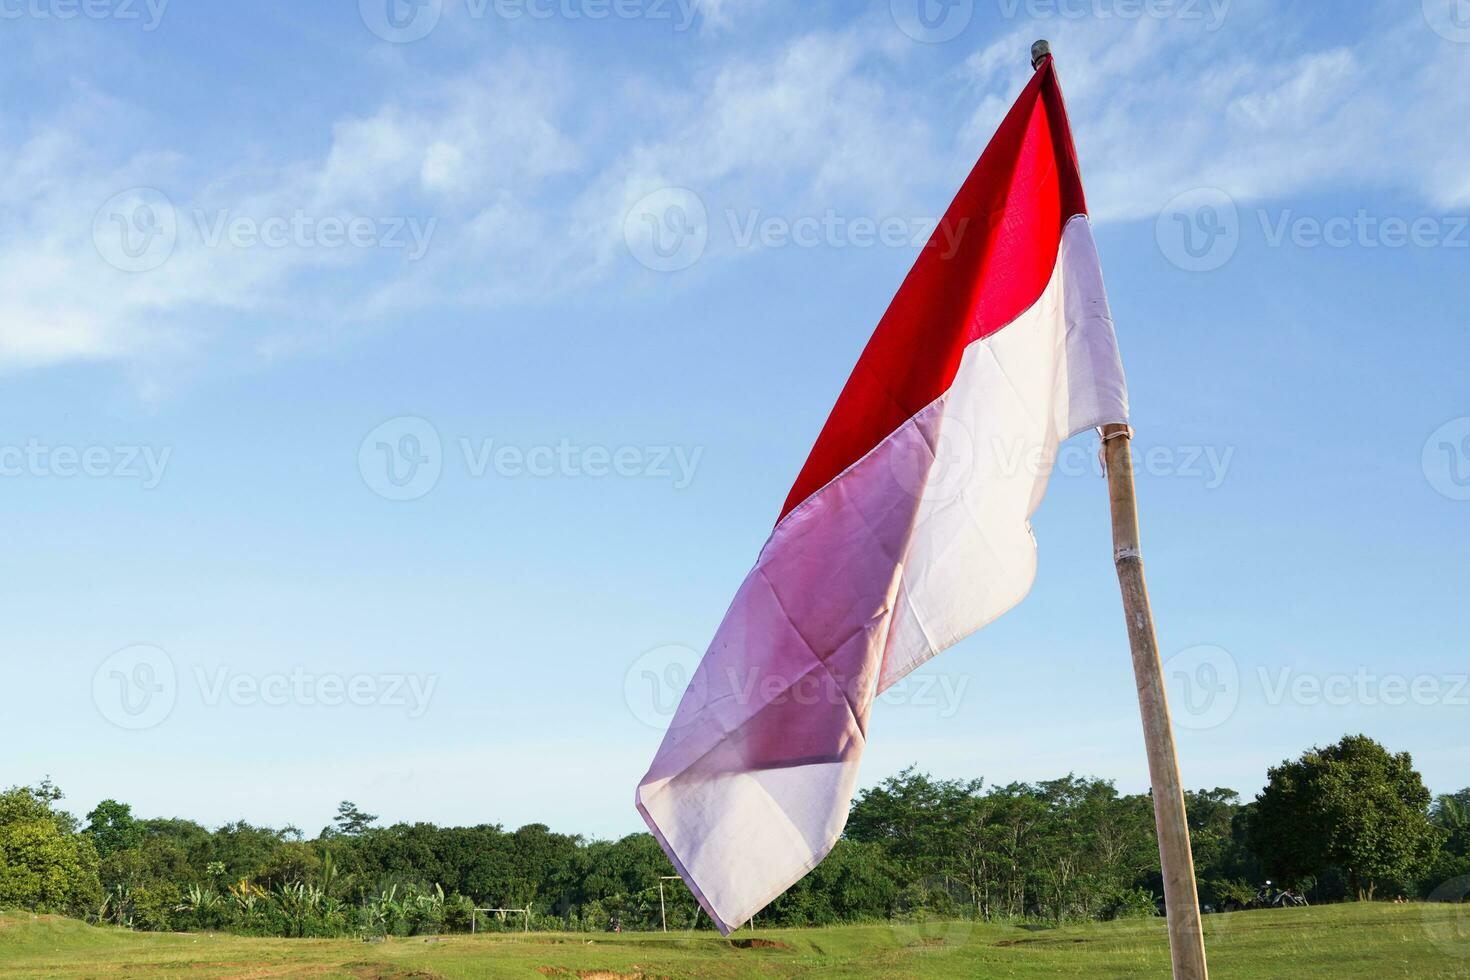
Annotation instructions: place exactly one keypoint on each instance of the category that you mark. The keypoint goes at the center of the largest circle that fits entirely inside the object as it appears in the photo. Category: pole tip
(1039, 50)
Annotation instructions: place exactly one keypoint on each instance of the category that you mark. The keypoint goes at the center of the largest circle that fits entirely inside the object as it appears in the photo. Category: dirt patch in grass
(758, 944)
(263, 971)
(385, 971)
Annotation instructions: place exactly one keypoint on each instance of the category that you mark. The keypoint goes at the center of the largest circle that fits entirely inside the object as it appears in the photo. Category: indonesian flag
(908, 527)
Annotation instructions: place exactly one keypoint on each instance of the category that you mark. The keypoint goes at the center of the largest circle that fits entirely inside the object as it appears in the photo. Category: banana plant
(200, 899)
(299, 903)
(384, 911)
(248, 898)
(117, 906)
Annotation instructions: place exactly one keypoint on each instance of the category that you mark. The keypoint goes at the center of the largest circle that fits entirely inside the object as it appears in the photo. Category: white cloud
(1160, 107)
(792, 133)
(464, 144)
(528, 164)
(719, 15)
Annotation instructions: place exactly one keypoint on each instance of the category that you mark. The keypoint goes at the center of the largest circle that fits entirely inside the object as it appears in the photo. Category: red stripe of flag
(986, 263)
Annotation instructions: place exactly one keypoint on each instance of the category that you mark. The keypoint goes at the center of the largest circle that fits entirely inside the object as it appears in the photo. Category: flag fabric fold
(908, 527)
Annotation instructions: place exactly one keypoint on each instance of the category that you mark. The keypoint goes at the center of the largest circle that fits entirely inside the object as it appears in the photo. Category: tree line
(1348, 821)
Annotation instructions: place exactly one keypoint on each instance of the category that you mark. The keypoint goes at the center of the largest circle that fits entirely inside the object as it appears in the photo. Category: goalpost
(525, 912)
(663, 914)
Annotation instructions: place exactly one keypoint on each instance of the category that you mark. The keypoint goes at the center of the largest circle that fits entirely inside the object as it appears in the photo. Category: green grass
(1341, 942)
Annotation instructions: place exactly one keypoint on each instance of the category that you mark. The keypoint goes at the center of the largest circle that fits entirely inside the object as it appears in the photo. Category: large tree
(1353, 806)
(45, 866)
(914, 817)
(113, 827)
(351, 820)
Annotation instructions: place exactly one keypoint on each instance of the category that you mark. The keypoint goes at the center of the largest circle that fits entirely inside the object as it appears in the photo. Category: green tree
(294, 862)
(1353, 806)
(915, 817)
(1451, 813)
(856, 881)
(244, 848)
(351, 821)
(1223, 864)
(45, 866)
(112, 827)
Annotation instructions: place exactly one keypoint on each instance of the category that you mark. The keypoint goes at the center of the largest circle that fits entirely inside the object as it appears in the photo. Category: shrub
(1130, 903)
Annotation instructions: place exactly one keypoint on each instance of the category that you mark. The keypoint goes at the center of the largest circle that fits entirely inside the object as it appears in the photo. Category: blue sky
(358, 441)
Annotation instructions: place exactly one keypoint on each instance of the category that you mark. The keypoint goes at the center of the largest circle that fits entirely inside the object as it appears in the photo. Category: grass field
(1342, 942)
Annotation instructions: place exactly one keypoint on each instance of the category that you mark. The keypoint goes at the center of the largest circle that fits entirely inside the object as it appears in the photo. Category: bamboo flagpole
(1176, 861)
(1181, 898)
